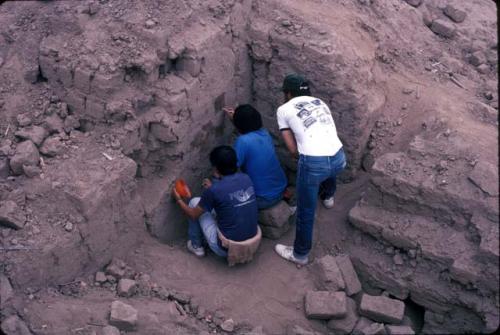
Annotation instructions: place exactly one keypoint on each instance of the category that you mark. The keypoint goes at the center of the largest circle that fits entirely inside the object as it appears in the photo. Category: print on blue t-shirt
(233, 198)
(257, 158)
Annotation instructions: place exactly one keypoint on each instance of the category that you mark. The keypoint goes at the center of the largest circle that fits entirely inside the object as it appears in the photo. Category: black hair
(247, 119)
(224, 159)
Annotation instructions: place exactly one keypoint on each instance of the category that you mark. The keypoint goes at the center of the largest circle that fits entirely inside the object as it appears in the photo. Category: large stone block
(329, 274)
(126, 287)
(123, 316)
(36, 134)
(382, 309)
(443, 28)
(275, 221)
(454, 13)
(325, 305)
(368, 327)
(82, 79)
(399, 330)
(352, 283)
(347, 323)
(274, 233)
(11, 215)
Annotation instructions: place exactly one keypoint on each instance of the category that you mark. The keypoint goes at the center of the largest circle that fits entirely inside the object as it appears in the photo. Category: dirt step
(439, 244)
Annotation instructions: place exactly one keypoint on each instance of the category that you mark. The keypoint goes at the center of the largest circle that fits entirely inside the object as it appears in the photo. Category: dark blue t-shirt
(233, 198)
(257, 158)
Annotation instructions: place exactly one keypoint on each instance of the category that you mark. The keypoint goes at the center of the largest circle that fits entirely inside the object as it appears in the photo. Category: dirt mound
(104, 103)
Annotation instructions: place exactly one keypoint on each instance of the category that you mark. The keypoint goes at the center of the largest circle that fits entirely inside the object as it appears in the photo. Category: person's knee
(194, 202)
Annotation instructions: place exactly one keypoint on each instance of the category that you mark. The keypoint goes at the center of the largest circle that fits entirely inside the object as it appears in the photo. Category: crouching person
(233, 231)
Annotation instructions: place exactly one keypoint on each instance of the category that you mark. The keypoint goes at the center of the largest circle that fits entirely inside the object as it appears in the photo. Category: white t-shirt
(312, 124)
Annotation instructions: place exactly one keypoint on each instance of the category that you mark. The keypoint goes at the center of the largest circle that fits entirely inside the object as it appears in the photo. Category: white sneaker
(329, 202)
(287, 253)
(199, 252)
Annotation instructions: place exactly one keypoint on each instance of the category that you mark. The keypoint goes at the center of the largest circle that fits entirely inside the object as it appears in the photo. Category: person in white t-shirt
(309, 132)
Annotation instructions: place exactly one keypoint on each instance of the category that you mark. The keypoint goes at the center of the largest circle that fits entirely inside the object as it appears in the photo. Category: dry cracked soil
(104, 103)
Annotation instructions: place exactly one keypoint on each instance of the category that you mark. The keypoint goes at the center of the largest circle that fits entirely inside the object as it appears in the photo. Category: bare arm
(193, 213)
(290, 142)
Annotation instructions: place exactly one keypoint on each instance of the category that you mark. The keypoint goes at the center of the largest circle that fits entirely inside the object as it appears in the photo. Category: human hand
(229, 112)
(206, 183)
(175, 194)
(178, 197)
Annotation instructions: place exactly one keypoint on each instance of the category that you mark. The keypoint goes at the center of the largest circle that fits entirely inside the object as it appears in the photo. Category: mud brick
(382, 309)
(48, 68)
(346, 324)
(100, 277)
(123, 316)
(443, 28)
(13, 325)
(276, 216)
(76, 102)
(65, 74)
(104, 84)
(365, 326)
(325, 305)
(454, 13)
(126, 287)
(82, 79)
(35, 133)
(352, 284)
(94, 108)
(329, 273)
(399, 330)
(26, 154)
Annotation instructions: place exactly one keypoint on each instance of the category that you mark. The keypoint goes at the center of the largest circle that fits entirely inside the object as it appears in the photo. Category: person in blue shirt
(231, 198)
(257, 157)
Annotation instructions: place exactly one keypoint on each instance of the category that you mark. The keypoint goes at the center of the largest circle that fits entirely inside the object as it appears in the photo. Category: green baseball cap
(295, 83)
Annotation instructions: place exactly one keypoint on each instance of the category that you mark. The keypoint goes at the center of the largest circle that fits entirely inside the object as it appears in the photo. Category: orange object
(181, 188)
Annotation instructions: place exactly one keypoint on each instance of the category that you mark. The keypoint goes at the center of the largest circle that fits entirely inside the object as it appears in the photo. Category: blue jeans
(313, 172)
(204, 228)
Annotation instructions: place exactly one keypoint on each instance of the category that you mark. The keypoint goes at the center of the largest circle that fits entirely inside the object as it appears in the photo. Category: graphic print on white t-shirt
(312, 112)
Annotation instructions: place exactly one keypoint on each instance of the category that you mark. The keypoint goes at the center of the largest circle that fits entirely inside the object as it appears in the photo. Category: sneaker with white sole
(329, 202)
(199, 252)
(287, 253)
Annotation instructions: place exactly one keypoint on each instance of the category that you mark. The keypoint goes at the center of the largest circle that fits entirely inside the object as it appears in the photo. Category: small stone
(454, 13)
(180, 297)
(54, 124)
(325, 305)
(407, 91)
(412, 253)
(126, 287)
(414, 3)
(123, 316)
(477, 58)
(110, 330)
(483, 69)
(488, 95)
(52, 146)
(404, 106)
(149, 24)
(71, 123)
(286, 23)
(100, 277)
(31, 171)
(398, 260)
(36, 134)
(23, 120)
(68, 226)
(228, 325)
(389, 250)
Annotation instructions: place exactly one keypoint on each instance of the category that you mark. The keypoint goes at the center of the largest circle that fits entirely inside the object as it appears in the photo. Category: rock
(483, 69)
(35, 133)
(367, 162)
(13, 325)
(351, 280)
(274, 221)
(485, 176)
(427, 18)
(31, 171)
(329, 274)
(54, 124)
(23, 120)
(180, 297)
(286, 23)
(26, 154)
(52, 146)
(443, 28)
(11, 215)
(398, 330)
(149, 24)
(382, 309)
(110, 330)
(414, 3)
(398, 260)
(4, 168)
(123, 316)
(68, 226)
(477, 58)
(100, 277)
(6, 291)
(71, 123)
(116, 268)
(228, 325)
(325, 305)
(454, 13)
(346, 324)
(126, 287)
